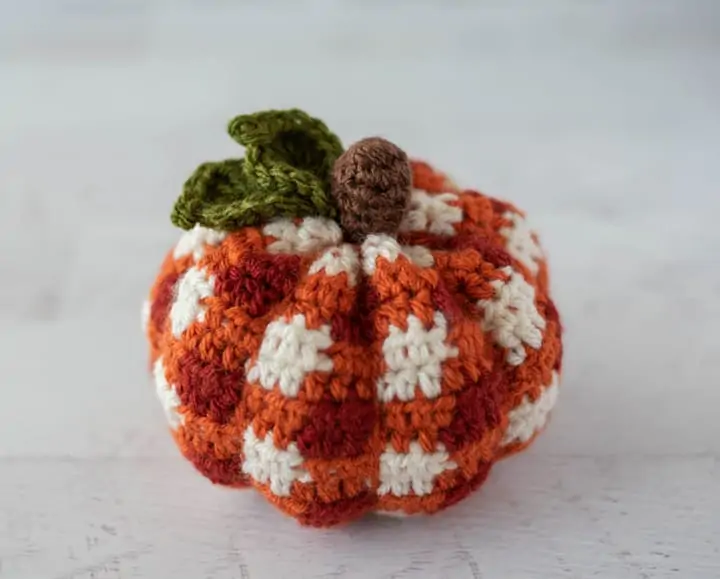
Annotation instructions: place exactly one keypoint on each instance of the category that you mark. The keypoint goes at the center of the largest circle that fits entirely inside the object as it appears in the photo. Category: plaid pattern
(339, 379)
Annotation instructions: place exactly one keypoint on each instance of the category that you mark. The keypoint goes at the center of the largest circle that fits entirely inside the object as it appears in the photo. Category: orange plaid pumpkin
(338, 377)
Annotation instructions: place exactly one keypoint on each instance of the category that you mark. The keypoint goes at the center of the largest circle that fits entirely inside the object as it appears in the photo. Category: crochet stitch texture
(342, 369)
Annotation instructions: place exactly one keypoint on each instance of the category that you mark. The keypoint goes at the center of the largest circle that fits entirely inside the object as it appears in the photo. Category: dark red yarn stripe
(259, 282)
(207, 389)
(342, 511)
(338, 429)
(477, 410)
(160, 308)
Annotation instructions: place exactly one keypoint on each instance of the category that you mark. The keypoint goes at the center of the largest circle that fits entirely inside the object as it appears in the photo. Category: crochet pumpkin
(347, 330)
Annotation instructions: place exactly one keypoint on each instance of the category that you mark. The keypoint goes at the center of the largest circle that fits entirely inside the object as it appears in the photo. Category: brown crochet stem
(371, 184)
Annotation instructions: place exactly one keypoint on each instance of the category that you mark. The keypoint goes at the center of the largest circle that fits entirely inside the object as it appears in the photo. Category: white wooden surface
(601, 119)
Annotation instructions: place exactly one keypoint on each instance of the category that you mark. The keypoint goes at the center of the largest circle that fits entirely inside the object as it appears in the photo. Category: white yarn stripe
(312, 234)
(530, 417)
(419, 255)
(289, 351)
(375, 246)
(431, 213)
(167, 395)
(387, 247)
(337, 260)
(520, 243)
(193, 241)
(414, 359)
(194, 286)
(266, 463)
(512, 318)
(145, 315)
(415, 471)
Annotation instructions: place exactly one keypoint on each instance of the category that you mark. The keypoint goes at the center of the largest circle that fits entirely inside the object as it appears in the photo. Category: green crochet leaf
(285, 173)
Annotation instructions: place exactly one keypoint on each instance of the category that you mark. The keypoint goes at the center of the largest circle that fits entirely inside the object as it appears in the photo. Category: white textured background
(602, 119)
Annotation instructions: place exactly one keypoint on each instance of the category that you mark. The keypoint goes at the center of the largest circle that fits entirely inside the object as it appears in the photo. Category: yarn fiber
(289, 156)
(343, 371)
(371, 185)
